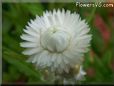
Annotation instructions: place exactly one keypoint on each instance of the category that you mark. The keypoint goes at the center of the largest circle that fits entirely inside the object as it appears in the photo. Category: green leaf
(12, 71)
(11, 43)
(107, 57)
(6, 77)
(101, 68)
(34, 9)
(87, 62)
(97, 41)
(91, 16)
(22, 66)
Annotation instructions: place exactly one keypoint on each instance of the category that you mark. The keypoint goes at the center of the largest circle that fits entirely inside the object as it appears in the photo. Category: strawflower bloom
(57, 42)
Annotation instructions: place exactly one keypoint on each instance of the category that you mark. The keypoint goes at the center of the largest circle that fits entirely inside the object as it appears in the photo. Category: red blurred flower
(90, 72)
(103, 28)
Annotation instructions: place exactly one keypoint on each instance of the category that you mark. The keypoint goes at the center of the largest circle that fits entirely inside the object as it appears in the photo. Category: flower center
(55, 40)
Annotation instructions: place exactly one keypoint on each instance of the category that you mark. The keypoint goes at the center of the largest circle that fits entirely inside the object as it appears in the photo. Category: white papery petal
(28, 38)
(31, 33)
(80, 75)
(28, 44)
(32, 51)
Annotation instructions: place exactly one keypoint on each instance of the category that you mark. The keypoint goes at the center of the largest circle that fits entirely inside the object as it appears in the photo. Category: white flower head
(57, 40)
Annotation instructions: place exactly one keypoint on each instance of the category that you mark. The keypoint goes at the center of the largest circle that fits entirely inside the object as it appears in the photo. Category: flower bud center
(55, 40)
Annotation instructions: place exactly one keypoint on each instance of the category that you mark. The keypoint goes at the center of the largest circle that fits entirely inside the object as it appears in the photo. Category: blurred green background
(98, 63)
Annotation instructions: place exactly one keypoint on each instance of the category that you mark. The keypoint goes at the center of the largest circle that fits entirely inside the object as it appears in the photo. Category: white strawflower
(57, 40)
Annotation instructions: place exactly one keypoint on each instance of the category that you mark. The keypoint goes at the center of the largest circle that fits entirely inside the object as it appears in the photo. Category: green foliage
(20, 64)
